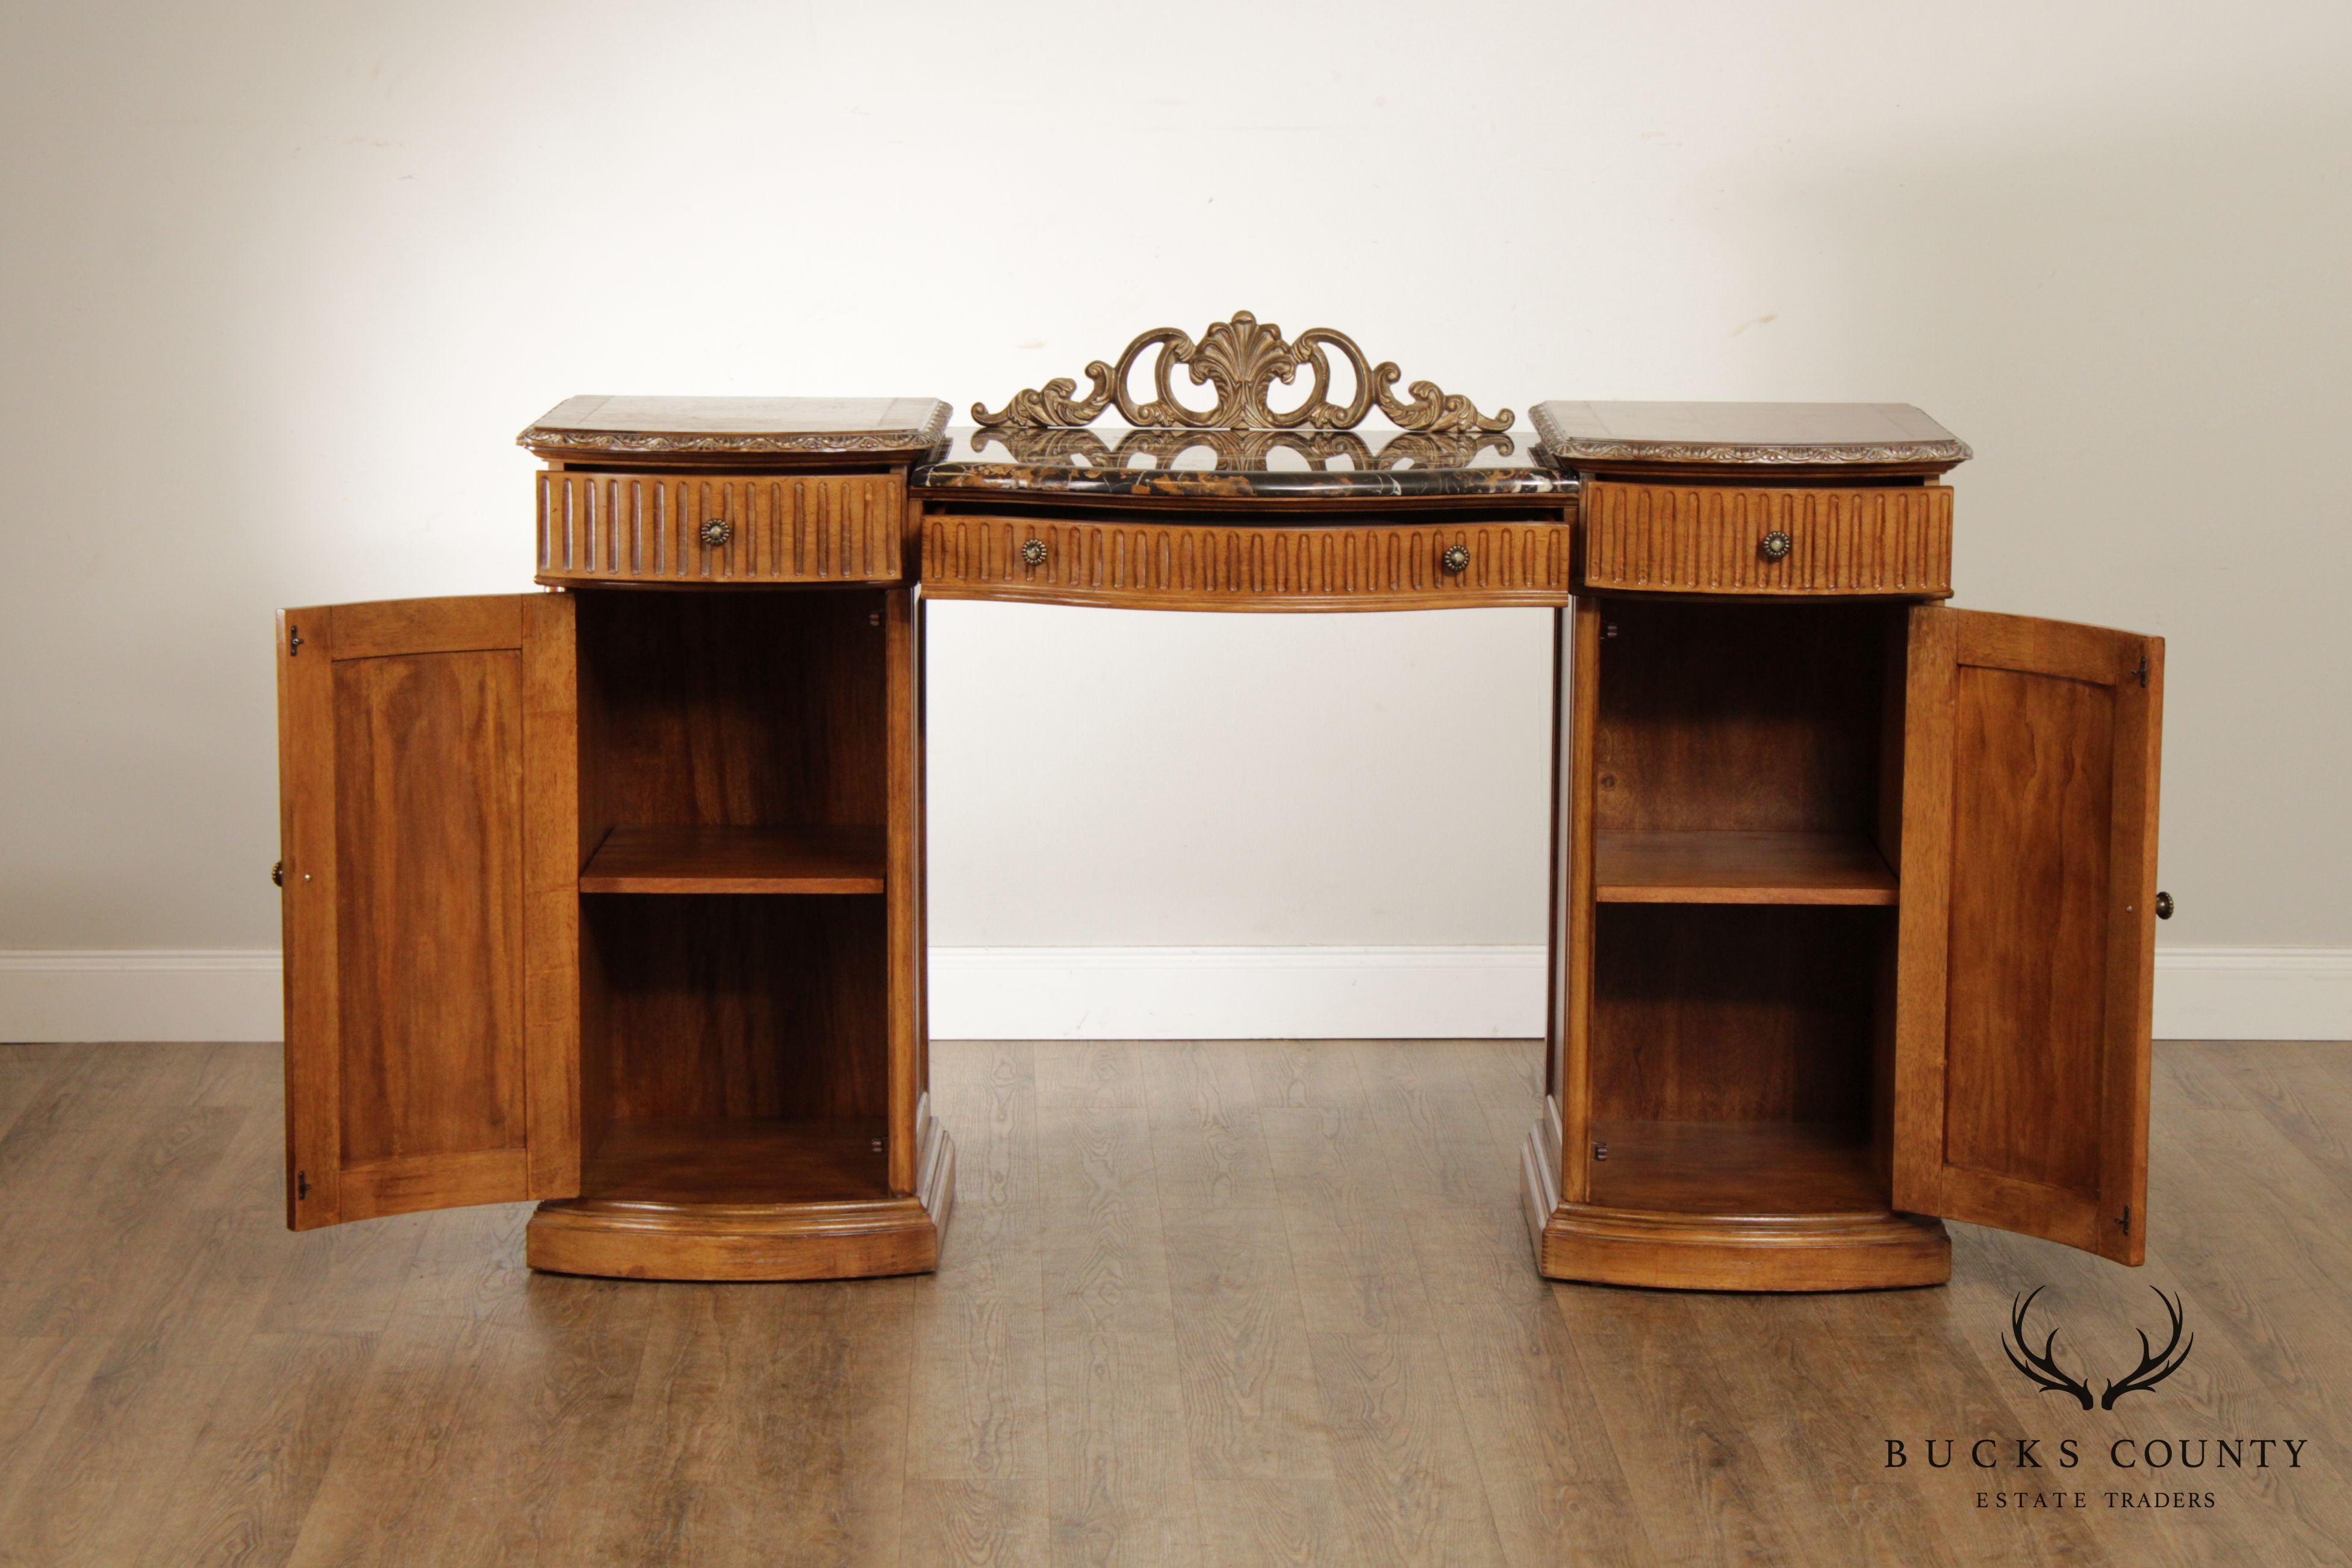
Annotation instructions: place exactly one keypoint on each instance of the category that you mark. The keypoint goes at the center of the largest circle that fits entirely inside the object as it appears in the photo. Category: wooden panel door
(429, 807)
(2027, 935)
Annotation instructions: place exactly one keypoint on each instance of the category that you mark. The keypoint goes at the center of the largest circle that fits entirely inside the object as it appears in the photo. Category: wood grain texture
(735, 1199)
(2028, 928)
(907, 1031)
(734, 709)
(182, 1382)
(1200, 565)
(649, 527)
(550, 925)
(427, 774)
(1724, 716)
(741, 1004)
(736, 860)
(1741, 869)
(1734, 1012)
(1886, 541)
(1576, 691)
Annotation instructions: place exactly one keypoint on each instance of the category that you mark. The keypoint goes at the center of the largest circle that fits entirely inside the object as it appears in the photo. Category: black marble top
(1293, 465)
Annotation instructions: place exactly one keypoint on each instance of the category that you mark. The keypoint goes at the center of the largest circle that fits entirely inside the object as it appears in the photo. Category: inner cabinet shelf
(742, 1161)
(1734, 1168)
(675, 859)
(1740, 868)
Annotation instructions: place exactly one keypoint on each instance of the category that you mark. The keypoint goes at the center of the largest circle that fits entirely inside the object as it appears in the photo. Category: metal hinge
(2142, 670)
(1601, 1151)
(293, 641)
(2125, 1219)
(302, 1185)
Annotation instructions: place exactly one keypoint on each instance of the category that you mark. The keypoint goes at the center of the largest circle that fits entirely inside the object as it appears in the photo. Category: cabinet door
(429, 807)
(2027, 941)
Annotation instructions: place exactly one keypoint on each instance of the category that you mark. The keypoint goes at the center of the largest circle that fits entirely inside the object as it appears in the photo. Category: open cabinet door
(429, 814)
(2027, 939)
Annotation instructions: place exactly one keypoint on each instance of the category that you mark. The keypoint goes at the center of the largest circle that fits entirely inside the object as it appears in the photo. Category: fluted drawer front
(711, 529)
(1894, 541)
(1207, 566)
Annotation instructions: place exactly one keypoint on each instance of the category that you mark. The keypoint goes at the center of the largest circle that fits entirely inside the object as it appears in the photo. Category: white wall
(281, 280)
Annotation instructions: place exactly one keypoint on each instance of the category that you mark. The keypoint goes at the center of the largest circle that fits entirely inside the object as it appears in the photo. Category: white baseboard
(2253, 992)
(1236, 992)
(141, 994)
(1145, 993)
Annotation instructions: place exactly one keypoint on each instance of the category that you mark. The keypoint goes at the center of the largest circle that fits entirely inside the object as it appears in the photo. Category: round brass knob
(1777, 544)
(2164, 906)
(1033, 553)
(716, 531)
(1456, 559)
(278, 873)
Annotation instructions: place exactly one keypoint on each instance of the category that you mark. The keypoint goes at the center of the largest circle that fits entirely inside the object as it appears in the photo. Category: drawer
(710, 529)
(1894, 541)
(1181, 565)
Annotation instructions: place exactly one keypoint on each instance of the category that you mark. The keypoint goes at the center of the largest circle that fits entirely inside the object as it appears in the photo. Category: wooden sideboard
(610, 896)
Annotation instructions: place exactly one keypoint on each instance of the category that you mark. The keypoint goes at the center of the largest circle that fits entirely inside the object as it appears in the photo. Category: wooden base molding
(1872, 1250)
(845, 1239)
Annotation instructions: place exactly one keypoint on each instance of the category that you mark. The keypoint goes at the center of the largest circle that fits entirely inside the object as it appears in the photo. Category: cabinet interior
(734, 940)
(1747, 813)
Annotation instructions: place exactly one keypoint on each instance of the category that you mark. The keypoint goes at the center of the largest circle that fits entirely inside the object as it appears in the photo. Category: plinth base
(1858, 1247)
(855, 1238)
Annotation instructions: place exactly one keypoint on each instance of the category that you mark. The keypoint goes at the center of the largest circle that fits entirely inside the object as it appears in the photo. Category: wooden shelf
(1736, 1168)
(1740, 869)
(738, 1159)
(737, 860)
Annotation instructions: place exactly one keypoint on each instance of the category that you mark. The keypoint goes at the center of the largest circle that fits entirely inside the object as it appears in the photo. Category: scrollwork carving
(1242, 359)
(1241, 450)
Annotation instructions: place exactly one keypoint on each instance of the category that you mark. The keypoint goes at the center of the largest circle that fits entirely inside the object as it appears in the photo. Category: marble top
(1886, 436)
(653, 427)
(1286, 464)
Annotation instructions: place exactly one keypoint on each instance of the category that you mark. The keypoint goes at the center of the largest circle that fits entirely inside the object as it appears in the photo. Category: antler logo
(2155, 1365)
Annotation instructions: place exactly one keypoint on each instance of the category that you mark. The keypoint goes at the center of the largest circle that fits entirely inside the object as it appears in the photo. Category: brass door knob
(716, 531)
(278, 873)
(1456, 559)
(1777, 544)
(1033, 553)
(2164, 906)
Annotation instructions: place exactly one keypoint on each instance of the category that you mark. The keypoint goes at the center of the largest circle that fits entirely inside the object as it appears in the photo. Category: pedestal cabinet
(610, 896)
(1855, 893)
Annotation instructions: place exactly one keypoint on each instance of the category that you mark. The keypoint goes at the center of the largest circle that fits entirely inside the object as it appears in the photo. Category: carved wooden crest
(1243, 359)
(1241, 449)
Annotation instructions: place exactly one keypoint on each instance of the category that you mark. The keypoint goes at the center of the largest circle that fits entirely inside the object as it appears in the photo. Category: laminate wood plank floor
(1225, 1303)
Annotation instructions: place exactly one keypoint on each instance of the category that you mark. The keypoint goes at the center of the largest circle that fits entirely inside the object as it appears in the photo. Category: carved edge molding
(541, 437)
(1243, 359)
(1566, 448)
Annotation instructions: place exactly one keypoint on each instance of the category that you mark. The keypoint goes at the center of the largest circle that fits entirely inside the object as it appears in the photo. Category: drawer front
(1210, 566)
(1894, 541)
(709, 529)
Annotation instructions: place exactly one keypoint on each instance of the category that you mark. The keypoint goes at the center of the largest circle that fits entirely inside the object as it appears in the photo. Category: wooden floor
(1224, 1303)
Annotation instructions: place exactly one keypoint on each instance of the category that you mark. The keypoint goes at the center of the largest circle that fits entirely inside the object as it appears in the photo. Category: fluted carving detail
(1894, 541)
(1190, 565)
(779, 528)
